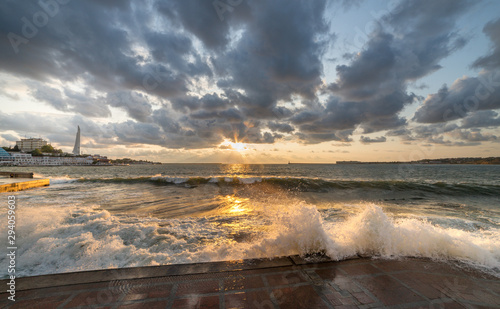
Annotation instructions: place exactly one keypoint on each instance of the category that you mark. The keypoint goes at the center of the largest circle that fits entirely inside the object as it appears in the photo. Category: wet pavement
(287, 282)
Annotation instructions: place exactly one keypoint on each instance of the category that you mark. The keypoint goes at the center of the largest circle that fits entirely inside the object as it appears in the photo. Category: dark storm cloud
(467, 94)
(202, 19)
(135, 104)
(492, 30)
(373, 115)
(138, 133)
(231, 115)
(176, 50)
(278, 55)
(448, 134)
(82, 40)
(434, 130)
(481, 119)
(473, 136)
(408, 44)
(312, 137)
(70, 101)
(208, 102)
(235, 71)
(368, 140)
(422, 34)
(280, 127)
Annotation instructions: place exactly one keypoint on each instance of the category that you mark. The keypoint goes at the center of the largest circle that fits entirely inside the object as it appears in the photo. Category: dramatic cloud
(71, 101)
(192, 74)
(280, 127)
(368, 140)
(467, 94)
(135, 104)
(481, 119)
(371, 91)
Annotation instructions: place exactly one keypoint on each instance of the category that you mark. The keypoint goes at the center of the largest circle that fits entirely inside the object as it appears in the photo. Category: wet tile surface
(361, 283)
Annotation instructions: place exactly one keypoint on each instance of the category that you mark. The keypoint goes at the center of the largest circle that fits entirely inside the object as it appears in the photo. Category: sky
(253, 81)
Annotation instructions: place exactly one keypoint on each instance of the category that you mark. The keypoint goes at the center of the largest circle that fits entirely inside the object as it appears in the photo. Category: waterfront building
(5, 157)
(22, 158)
(26, 159)
(30, 144)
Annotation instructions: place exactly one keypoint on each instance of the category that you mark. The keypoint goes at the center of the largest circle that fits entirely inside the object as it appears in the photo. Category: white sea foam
(62, 239)
(56, 180)
(61, 180)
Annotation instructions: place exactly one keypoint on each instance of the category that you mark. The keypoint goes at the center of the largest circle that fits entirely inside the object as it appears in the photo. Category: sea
(102, 217)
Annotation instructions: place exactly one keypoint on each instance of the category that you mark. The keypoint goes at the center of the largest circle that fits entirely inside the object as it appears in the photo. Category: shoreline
(269, 283)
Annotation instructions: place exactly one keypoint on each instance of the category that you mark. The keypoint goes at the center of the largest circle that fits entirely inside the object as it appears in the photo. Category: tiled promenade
(286, 282)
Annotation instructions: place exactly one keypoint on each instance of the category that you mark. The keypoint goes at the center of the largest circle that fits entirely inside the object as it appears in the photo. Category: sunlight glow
(227, 144)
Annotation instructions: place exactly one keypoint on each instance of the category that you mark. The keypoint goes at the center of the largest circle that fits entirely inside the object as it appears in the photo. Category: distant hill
(489, 160)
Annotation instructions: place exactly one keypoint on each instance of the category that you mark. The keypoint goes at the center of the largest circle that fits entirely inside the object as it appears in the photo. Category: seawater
(124, 216)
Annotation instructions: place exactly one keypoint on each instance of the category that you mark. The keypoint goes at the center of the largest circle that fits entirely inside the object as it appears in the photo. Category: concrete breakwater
(13, 182)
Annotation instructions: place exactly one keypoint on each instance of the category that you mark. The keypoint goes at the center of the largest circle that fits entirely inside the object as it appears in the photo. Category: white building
(30, 144)
(28, 159)
(22, 158)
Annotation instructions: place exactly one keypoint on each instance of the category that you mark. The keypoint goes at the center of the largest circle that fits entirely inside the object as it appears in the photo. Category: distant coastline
(489, 160)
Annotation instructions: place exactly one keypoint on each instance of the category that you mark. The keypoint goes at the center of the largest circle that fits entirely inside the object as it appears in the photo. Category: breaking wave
(304, 184)
(64, 239)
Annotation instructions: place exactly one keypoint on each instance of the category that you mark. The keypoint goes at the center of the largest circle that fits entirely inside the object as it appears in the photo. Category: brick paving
(288, 282)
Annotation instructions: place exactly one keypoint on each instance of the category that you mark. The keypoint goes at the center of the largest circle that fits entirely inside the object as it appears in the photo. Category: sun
(227, 144)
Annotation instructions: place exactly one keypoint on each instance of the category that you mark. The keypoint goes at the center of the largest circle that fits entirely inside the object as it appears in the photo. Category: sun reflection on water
(235, 169)
(236, 205)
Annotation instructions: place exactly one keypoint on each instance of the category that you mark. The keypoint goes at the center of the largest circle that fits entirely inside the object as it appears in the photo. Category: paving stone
(198, 287)
(388, 290)
(39, 303)
(241, 283)
(298, 297)
(286, 278)
(329, 273)
(205, 302)
(360, 269)
(146, 292)
(84, 299)
(363, 298)
(256, 299)
(149, 305)
(334, 299)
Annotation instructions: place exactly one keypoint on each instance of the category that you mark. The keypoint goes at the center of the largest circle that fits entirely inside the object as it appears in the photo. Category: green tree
(47, 149)
(36, 153)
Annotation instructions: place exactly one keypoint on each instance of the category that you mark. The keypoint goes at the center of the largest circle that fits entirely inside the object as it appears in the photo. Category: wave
(307, 184)
(64, 239)
(62, 179)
